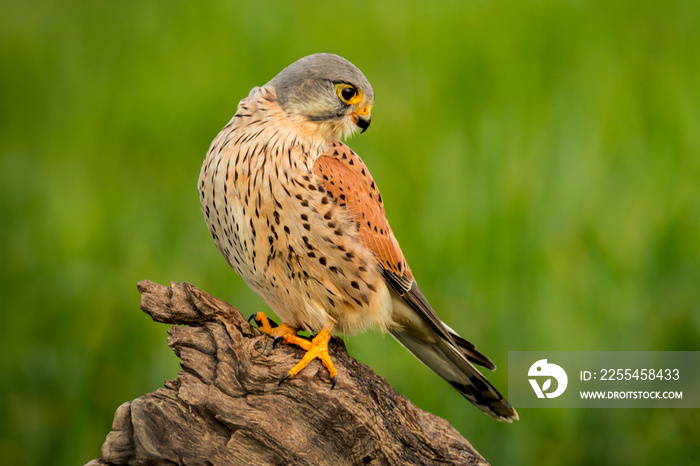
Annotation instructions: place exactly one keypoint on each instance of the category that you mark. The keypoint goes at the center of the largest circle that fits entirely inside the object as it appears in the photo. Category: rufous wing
(348, 182)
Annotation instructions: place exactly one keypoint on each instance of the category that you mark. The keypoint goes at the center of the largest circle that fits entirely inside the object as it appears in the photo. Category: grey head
(325, 89)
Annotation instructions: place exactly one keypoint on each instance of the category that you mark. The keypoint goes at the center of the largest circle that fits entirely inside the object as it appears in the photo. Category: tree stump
(226, 407)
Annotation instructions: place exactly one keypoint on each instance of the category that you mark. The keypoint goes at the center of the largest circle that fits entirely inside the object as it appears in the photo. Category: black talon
(253, 318)
(286, 376)
(275, 341)
(333, 381)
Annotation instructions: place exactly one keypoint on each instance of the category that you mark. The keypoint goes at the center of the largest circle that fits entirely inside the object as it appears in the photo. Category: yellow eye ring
(348, 93)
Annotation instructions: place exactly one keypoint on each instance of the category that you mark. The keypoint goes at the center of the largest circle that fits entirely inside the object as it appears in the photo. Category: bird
(296, 213)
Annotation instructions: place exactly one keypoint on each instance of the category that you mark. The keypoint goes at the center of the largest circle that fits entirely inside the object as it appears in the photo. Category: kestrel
(297, 214)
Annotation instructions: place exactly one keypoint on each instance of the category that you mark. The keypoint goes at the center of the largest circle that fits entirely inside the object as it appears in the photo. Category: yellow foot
(316, 348)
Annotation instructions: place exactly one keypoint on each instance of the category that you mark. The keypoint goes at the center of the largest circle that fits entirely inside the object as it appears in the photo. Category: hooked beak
(362, 118)
(362, 122)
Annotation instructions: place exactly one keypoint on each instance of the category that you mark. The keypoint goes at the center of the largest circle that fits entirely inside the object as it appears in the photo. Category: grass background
(540, 162)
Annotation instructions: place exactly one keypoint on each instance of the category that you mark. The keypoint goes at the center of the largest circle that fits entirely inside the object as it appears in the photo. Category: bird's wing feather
(348, 181)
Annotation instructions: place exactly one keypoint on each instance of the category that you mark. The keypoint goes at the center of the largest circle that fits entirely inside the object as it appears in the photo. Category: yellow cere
(364, 110)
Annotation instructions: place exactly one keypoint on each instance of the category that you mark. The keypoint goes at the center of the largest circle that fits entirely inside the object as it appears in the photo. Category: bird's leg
(316, 348)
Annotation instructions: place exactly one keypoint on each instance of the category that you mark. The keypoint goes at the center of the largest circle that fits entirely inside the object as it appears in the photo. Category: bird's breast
(271, 218)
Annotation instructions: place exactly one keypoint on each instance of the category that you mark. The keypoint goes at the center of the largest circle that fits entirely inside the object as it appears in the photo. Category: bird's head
(326, 94)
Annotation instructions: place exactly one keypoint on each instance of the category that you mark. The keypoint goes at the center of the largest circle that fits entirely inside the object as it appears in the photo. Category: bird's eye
(348, 94)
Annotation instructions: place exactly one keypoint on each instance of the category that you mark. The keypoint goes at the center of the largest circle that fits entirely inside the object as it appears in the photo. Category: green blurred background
(540, 162)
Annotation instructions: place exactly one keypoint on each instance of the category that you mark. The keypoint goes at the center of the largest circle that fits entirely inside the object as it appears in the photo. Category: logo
(543, 369)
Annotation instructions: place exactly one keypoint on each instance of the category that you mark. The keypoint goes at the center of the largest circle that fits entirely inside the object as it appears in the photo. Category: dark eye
(347, 93)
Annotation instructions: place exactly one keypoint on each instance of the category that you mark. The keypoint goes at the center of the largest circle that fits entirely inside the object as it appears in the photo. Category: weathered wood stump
(226, 407)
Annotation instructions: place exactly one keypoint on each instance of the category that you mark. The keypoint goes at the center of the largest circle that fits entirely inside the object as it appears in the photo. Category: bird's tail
(447, 360)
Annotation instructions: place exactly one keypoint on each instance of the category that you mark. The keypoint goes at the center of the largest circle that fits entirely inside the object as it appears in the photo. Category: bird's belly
(305, 279)
(293, 246)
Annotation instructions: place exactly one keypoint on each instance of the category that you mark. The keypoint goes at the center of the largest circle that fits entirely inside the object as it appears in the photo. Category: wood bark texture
(226, 408)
